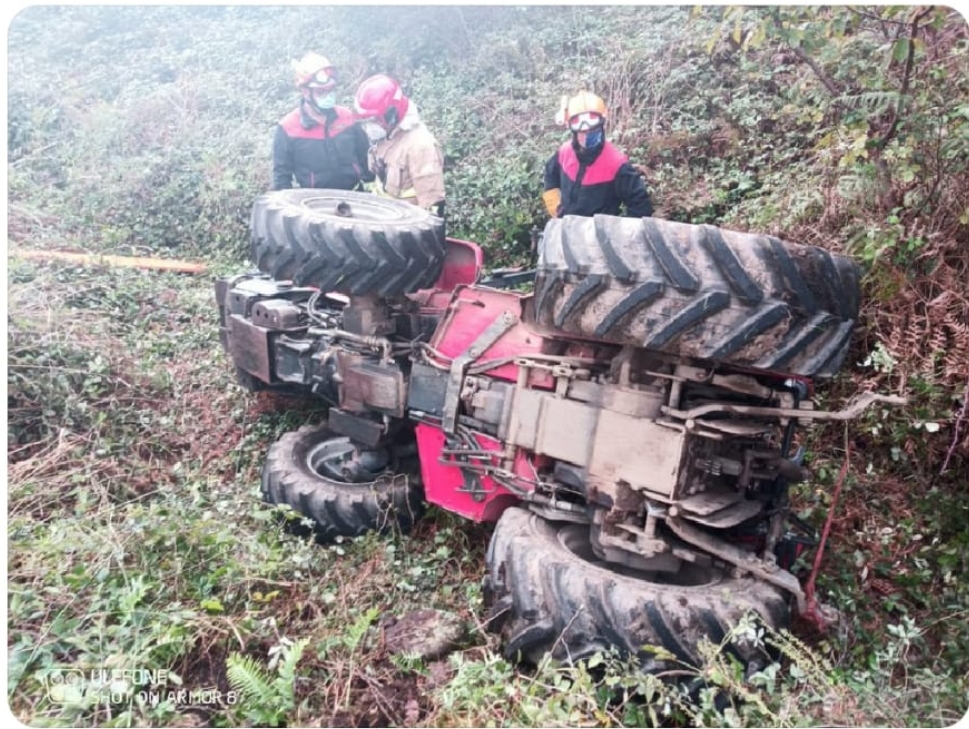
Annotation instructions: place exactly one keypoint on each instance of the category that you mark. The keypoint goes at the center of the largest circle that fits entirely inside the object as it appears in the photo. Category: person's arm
(427, 175)
(282, 161)
(361, 153)
(632, 192)
(552, 195)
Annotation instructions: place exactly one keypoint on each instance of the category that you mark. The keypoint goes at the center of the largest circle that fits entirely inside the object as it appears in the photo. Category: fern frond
(287, 669)
(247, 677)
(359, 628)
(874, 102)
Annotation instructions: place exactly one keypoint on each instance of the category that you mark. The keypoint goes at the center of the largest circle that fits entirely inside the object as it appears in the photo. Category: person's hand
(553, 201)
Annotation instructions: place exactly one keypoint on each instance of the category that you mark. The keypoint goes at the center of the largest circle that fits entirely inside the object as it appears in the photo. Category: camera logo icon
(65, 685)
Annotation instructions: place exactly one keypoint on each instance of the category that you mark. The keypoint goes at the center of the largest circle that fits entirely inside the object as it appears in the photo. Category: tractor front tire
(349, 242)
(548, 594)
(303, 471)
(698, 291)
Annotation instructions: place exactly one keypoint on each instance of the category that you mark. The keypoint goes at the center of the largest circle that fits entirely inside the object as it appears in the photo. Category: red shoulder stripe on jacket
(603, 169)
(292, 125)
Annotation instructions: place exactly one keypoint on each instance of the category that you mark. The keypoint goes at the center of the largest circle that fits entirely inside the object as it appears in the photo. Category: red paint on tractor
(444, 481)
(471, 312)
(463, 262)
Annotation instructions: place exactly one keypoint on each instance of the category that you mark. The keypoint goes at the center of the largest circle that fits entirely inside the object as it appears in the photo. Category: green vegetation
(136, 536)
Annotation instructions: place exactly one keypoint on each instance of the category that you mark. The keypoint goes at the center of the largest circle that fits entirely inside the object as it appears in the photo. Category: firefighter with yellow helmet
(588, 175)
(319, 143)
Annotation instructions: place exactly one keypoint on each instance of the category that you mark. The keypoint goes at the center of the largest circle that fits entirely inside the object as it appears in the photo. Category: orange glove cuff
(552, 199)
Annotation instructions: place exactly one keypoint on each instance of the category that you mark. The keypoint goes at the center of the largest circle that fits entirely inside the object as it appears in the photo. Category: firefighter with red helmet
(588, 175)
(319, 143)
(405, 157)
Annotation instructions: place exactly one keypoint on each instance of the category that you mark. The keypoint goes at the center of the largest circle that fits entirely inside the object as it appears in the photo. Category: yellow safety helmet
(314, 71)
(583, 111)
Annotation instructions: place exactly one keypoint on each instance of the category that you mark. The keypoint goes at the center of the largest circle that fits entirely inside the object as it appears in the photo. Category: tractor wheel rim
(331, 458)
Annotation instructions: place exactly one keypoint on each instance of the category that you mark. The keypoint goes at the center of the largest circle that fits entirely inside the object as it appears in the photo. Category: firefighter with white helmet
(405, 158)
(319, 144)
(588, 175)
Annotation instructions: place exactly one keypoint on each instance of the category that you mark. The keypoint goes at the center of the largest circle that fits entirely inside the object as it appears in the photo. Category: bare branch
(906, 79)
(960, 419)
(829, 83)
(884, 23)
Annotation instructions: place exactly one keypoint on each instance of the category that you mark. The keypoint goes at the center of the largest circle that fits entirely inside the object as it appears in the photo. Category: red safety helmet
(381, 98)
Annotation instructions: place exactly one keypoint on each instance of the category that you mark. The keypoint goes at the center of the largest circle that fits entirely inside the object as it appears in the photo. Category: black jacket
(331, 155)
(596, 183)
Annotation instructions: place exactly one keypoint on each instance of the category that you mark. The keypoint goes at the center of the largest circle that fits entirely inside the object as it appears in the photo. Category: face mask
(594, 138)
(324, 101)
(374, 131)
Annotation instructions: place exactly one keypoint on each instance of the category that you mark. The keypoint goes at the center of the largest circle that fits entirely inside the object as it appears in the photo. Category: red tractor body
(630, 424)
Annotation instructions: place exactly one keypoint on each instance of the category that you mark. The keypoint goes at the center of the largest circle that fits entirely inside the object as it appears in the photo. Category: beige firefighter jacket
(409, 164)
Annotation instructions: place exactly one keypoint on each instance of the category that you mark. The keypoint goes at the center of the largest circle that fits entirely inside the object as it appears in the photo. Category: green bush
(136, 530)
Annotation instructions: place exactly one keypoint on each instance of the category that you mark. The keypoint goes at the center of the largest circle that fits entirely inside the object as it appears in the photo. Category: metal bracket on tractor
(632, 427)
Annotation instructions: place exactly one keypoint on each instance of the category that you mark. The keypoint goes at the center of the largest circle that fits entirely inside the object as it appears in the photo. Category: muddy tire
(547, 593)
(349, 242)
(698, 291)
(305, 469)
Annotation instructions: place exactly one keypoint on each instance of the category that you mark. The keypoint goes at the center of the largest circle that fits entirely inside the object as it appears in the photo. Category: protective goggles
(325, 78)
(585, 121)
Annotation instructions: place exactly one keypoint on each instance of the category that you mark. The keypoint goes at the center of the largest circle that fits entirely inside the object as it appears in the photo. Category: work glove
(553, 201)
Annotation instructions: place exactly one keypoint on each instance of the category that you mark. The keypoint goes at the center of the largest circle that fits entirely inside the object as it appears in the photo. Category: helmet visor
(585, 121)
(323, 79)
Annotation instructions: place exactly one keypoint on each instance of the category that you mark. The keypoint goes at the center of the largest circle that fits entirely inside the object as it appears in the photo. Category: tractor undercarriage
(619, 424)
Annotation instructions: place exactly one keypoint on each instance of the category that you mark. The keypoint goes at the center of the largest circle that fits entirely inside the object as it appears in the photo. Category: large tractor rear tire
(344, 491)
(349, 242)
(698, 291)
(548, 594)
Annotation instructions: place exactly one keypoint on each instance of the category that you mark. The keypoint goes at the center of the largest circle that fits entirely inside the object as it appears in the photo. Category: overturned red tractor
(629, 424)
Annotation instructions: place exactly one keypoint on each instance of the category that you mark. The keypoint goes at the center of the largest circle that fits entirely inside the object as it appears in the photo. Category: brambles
(135, 526)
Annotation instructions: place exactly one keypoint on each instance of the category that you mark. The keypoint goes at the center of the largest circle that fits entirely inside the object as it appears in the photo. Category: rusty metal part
(360, 430)
(607, 429)
(557, 509)
(249, 346)
(452, 399)
(742, 559)
(368, 385)
(637, 547)
(643, 454)
(377, 344)
(278, 314)
(717, 508)
(856, 406)
(368, 316)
